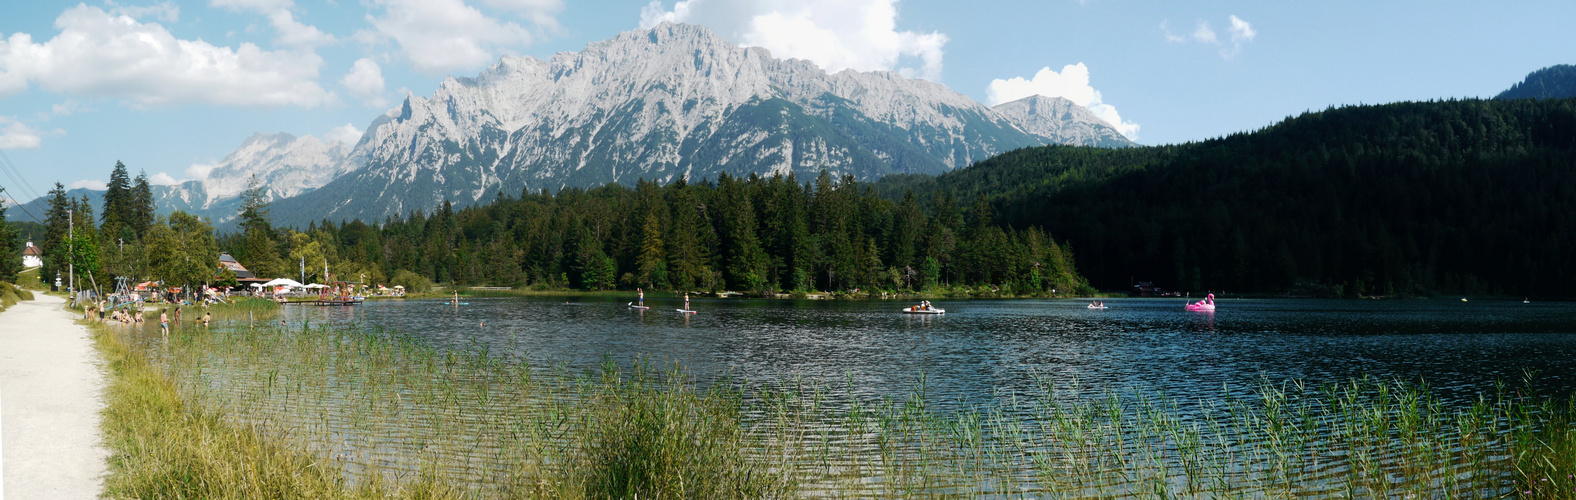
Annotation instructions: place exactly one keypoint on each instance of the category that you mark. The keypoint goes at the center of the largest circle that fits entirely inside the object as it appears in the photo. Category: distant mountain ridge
(675, 100)
(1062, 119)
(285, 165)
(1553, 82)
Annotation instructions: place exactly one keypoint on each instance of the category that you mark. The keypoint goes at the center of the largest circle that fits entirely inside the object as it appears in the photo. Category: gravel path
(50, 385)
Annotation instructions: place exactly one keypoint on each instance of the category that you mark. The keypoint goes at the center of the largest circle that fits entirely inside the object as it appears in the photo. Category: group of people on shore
(128, 316)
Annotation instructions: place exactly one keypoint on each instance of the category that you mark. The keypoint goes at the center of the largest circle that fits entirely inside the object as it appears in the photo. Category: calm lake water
(982, 349)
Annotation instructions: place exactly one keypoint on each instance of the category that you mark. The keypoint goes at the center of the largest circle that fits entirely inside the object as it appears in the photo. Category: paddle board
(687, 311)
(633, 306)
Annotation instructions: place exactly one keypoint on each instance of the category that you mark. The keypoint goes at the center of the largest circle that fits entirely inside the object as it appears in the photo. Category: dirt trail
(50, 397)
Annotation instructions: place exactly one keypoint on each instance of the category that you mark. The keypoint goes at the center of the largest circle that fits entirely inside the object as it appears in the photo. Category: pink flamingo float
(1206, 305)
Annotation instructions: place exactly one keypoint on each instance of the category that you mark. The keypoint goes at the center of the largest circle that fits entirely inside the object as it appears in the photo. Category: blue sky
(169, 87)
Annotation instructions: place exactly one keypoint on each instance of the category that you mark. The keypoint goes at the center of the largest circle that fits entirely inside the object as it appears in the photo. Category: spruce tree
(56, 228)
(652, 270)
(259, 251)
(117, 202)
(10, 247)
(141, 213)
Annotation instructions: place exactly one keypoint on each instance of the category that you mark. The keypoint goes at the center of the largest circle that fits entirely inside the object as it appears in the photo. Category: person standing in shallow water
(164, 321)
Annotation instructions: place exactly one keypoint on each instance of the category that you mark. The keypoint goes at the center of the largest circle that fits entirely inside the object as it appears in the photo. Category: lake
(981, 349)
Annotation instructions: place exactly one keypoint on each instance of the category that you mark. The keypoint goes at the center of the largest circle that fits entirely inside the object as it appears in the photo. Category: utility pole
(303, 269)
(71, 238)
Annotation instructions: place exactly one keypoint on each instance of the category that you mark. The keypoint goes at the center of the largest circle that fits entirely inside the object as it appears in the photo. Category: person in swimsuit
(164, 322)
(642, 299)
(686, 301)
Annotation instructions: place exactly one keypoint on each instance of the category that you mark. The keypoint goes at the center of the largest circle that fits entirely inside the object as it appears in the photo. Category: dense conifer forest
(1452, 197)
(743, 234)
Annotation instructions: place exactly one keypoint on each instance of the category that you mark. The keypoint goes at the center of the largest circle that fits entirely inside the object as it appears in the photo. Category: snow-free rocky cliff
(675, 100)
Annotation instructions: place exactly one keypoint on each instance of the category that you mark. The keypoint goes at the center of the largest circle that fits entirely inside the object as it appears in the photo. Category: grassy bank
(330, 413)
(162, 447)
(10, 294)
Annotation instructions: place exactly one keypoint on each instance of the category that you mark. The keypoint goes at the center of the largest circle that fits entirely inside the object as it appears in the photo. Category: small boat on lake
(1206, 305)
(923, 308)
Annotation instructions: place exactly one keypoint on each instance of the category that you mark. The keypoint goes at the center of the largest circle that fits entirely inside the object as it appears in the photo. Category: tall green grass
(11, 294)
(391, 416)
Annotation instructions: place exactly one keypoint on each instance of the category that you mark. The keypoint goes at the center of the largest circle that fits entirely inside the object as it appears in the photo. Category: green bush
(413, 283)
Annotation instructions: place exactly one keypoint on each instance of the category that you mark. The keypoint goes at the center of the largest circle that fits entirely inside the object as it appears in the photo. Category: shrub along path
(50, 386)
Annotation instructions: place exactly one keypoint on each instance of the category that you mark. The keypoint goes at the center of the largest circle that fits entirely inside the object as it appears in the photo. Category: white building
(32, 256)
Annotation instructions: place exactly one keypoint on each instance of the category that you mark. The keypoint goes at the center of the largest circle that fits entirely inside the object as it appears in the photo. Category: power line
(16, 177)
(11, 170)
(24, 210)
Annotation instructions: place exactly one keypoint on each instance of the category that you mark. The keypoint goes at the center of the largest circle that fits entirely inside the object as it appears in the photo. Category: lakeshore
(410, 396)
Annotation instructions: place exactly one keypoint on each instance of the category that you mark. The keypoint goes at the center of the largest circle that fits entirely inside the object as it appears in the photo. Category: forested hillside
(1472, 196)
(743, 234)
(1553, 82)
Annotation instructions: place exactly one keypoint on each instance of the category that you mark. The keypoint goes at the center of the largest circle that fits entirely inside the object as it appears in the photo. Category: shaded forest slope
(1469, 196)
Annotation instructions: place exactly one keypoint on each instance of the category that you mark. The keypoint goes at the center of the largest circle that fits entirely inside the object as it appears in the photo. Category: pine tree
(650, 266)
(10, 247)
(82, 246)
(56, 227)
(685, 255)
(260, 251)
(117, 203)
(141, 214)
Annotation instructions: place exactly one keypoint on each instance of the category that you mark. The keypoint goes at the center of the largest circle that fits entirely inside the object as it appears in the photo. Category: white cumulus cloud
(1165, 27)
(163, 11)
(1204, 33)
(1072, 83)
(540, 12)
(254, 5)
(17, 135)
(197, 171)
(163, 179)
(68, 108)
(347, 134)
(99, 55)
(835, 34)
(440, 36)
(365, 82)
(1240, 32)
(94, 184)
(288, 31)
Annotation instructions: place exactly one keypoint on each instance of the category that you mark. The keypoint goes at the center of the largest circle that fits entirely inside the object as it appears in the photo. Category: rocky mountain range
(675, 100)
(285, 165)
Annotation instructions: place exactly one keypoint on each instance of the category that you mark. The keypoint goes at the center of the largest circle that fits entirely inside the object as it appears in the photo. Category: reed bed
(387, 415)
